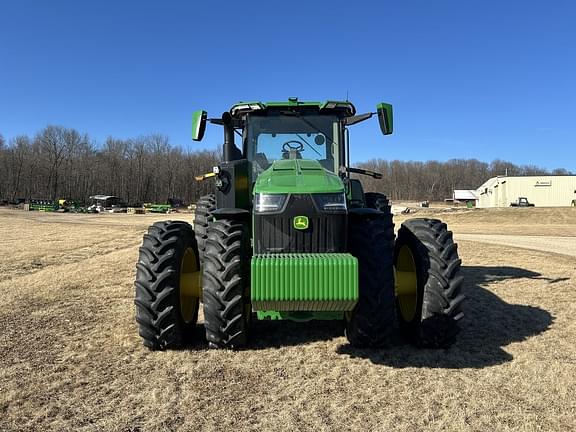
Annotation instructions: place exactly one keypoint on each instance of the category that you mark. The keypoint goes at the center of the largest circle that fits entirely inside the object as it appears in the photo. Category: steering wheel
(286, 147)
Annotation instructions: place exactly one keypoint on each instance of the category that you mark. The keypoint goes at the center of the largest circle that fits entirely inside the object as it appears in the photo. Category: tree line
(60, 162)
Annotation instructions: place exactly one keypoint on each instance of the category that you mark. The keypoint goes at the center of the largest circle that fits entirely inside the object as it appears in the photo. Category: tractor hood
(297, 176)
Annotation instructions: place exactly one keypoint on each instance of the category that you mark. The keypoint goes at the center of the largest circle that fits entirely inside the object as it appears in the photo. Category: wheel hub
(190, 285)
(406, 283)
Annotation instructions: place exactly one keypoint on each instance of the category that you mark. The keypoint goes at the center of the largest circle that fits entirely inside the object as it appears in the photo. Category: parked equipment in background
(107, 203)
(521, 202)
(288, 234)
(157, 208)
(66, 205)
(44, 205)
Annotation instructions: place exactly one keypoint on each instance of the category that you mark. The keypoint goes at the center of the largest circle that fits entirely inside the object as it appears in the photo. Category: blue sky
(468, 79)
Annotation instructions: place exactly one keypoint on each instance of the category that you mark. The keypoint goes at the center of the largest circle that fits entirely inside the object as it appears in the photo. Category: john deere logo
(301, 222)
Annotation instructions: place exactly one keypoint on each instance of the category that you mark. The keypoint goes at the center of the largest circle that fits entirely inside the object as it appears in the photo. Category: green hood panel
(297, 176)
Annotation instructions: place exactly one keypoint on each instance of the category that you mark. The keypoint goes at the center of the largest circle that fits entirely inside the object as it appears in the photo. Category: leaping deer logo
(301, 222)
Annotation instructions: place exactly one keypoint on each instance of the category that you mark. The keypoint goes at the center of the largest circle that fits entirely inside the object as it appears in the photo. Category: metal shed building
(542, 191)
(464, 195)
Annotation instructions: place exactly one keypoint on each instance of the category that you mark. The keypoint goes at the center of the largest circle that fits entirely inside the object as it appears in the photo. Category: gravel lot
(560, 245)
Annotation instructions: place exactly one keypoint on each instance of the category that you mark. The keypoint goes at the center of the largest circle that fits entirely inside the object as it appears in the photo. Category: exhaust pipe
(230, 152)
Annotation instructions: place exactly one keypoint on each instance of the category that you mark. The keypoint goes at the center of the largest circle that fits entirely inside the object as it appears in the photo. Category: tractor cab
(293, 130)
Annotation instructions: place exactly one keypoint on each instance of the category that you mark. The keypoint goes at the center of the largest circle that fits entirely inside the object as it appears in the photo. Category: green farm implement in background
(157, 208)
(290, 234)
(71, 206)
(44, 205)
(62, 205)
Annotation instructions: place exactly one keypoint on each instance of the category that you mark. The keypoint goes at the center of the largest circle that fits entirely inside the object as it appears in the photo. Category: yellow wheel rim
(190, 285)
(406, 283)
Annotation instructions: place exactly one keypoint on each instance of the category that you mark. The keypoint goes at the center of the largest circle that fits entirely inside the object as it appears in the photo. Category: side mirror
(199, 124)
(385, 118)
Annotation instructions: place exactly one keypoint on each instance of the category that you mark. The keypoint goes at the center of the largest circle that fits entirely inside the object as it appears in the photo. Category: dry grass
(70, 357)
(539, 221)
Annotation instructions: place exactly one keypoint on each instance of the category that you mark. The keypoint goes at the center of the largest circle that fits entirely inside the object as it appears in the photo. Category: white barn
(542, 191)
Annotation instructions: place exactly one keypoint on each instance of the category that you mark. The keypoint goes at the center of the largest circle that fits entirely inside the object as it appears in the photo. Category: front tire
(167, 285)
(371, 241)
(428, 283)
(226, 284)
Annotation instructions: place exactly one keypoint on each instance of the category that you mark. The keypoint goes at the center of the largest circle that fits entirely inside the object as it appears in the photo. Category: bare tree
(52, 141)
(20, 151)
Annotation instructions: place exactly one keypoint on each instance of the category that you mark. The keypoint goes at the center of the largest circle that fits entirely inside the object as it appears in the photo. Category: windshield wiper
(309, 123)
(316, 128)
(313, 126)
(309, 145)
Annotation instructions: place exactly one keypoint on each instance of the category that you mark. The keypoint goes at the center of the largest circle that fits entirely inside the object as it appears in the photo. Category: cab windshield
(278, 136)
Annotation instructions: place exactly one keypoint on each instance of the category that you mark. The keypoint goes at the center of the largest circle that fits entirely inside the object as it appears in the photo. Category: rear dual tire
(167, 289)
(202, 218)
(428, 283)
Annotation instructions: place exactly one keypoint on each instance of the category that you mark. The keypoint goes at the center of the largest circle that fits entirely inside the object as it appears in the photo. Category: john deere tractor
(288, 234)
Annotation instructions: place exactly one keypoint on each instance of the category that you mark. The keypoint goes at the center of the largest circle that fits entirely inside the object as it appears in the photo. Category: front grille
(275, 233)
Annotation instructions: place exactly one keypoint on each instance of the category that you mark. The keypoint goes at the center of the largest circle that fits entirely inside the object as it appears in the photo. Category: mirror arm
(361, 171)
(237, 124)
(349, 121)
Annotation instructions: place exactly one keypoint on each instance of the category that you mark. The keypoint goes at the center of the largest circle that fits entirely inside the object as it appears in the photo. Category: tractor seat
(292, 154)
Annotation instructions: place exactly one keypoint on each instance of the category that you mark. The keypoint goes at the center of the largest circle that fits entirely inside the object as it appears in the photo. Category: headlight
(266, 203)
(330, 202)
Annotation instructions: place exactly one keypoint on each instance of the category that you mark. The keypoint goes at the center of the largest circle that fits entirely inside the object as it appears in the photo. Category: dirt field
(71, 358)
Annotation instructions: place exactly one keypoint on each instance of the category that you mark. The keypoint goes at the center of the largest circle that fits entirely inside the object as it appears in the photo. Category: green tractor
(288, 234)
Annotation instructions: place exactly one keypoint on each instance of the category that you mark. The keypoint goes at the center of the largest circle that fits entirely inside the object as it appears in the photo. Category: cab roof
(338, 107)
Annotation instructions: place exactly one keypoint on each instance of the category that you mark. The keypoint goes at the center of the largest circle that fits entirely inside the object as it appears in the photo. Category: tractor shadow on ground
(276, 334)
(489, 324)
